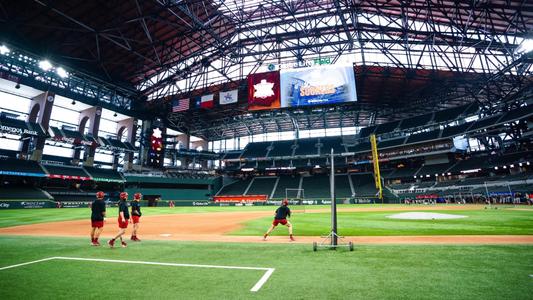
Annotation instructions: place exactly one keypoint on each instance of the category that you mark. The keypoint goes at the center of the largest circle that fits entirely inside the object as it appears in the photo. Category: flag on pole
(207, 101)
(229, 97)
(180, 105)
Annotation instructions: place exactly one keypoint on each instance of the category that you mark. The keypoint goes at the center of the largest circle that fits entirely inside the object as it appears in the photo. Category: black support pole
(333, 203)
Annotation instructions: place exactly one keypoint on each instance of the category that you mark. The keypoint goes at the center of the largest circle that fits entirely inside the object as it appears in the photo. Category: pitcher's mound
(424, 216)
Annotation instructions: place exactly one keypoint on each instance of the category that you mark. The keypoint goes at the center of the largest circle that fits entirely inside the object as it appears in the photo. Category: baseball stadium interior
(170, 110)
(214, 149)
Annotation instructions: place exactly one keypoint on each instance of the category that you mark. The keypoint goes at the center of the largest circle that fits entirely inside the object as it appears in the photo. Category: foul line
(255, 288)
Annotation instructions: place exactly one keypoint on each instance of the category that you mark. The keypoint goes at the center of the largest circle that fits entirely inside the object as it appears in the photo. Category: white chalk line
(255, 288)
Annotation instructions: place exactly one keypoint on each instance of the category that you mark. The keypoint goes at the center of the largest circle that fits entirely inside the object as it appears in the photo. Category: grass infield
(376, 223)
(370, 272)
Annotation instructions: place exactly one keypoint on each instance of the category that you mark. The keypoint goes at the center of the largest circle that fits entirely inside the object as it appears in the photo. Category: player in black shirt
(123, 218)
(136, 215)
(281, 217)
(97, 218)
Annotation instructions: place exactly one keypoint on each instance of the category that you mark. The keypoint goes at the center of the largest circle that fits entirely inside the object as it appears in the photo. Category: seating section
(415, 122)
(262, 186)
(65, 171)
(328, 143)
(22, 193)
(232, 155)
(449, 114)
(342, 187)
(361, 147)
(455, 130)
(236, 188)
(387, 127)
(363, 185)
(434, 169)
(99, 174)
(470, 164)
(517, 113)
(256, 149)
(485, 122)
(11, 166)
(391, 143)
(307, 147)
(286, 182)
(281, 148)
(423, 137)
(316, 186)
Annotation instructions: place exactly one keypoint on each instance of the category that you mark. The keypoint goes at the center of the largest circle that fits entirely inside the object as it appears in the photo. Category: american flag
(180, 105)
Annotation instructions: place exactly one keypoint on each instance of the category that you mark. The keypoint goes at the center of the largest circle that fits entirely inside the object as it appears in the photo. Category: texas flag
(207, 101)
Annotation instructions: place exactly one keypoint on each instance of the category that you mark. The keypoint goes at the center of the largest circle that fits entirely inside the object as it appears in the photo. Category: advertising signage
(317, 86)
(263, 91)
(321, 85)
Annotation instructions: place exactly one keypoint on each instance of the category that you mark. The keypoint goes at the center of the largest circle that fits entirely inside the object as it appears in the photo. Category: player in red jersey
(123, 219)
(281, 218)
(97, 218)
(136, 215)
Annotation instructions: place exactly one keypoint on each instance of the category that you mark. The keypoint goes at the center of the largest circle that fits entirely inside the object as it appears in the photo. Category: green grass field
(478, 222)
(370, 272)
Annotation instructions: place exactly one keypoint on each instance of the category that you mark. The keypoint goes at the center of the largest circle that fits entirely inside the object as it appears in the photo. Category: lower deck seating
(286, 182)
(342, 187)
(236, 188)
(364, 185)
(316, 186)
(262, 186)
(22, 193)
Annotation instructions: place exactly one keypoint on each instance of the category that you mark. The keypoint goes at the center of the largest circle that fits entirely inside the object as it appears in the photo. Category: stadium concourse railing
(393, 143)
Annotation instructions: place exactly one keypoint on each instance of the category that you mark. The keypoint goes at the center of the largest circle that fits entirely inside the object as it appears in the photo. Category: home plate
(165, 234)
(424, 216)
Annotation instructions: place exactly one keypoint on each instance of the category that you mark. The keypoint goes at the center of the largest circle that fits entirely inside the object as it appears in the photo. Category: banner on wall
(263, 91)
(317, 86)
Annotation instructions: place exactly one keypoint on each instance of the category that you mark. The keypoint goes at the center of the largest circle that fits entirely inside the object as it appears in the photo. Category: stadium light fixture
(520, 164)
(45, 65)
(62, 72)
(4, 50)
(511, 166)
(495, 168)
(525, 47)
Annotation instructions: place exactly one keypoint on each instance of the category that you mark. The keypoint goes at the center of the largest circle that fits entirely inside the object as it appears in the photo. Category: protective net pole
(333, 203)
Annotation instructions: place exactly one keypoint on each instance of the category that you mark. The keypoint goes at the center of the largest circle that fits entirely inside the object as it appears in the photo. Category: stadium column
(40, 111)
(94, 114)
(184, 139)
(128, 127)
(204, 145)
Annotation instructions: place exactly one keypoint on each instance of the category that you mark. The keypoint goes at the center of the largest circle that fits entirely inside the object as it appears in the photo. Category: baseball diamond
(281, 149)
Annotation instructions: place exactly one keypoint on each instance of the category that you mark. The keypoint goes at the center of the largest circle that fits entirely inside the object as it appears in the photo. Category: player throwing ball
(281, 218)
(97, 218)
(123, 219)
(136, 215)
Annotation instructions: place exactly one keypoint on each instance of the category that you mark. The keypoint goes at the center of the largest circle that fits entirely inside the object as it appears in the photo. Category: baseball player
(97, 218)
(123, 219)
(136, 215)
(281, 218)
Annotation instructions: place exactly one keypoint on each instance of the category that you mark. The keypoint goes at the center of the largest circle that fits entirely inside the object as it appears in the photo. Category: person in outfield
(281, 218)
(136, 215)
(123, 219)
(97, 218)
